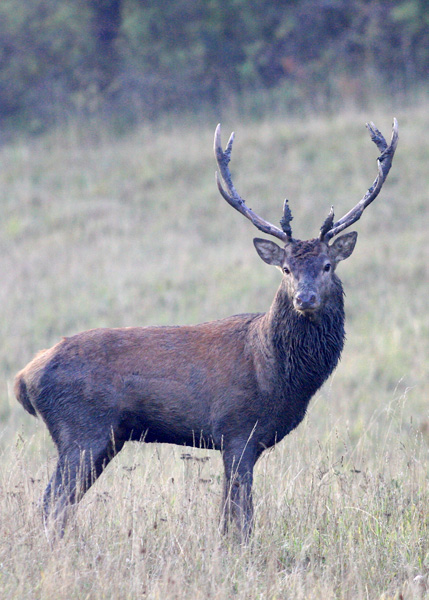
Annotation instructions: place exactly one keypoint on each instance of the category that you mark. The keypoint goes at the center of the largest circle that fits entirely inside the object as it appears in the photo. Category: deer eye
(327, 267)
(286, 271)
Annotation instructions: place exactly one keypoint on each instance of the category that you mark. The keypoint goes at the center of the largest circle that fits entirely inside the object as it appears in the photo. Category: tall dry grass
(98, 231)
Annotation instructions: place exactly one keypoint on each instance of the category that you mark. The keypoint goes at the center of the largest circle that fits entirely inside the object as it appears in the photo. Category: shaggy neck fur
(304, 351)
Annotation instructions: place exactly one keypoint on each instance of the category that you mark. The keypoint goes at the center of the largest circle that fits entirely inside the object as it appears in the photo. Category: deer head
(308, 266)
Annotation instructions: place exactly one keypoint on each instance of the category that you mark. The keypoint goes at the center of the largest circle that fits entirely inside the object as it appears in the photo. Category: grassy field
(98, 231)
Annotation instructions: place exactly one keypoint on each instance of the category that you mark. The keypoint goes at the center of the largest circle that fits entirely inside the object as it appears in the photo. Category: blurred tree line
(142, 57)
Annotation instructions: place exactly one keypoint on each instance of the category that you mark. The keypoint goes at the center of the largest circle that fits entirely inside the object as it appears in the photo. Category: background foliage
(145, 57)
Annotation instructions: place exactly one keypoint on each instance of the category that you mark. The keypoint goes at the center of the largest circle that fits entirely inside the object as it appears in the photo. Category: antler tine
(234, 199)
(327, 224)
(286, 219)
(384, 162)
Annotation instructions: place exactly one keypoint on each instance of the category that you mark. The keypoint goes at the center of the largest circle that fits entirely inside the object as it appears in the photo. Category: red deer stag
(237, 385)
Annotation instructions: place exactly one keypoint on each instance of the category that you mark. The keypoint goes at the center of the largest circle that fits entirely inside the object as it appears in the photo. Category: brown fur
(238, 385)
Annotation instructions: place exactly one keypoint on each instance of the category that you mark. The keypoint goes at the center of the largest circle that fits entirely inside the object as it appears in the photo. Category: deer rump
(238, 385)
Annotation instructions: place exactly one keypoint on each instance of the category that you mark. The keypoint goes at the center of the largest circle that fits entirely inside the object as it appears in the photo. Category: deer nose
(306, 300)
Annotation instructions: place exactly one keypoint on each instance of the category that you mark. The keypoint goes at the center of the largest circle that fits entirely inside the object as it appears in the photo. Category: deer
(238, 385)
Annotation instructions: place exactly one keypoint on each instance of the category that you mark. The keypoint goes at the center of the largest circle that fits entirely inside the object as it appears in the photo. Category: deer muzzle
(306, 300)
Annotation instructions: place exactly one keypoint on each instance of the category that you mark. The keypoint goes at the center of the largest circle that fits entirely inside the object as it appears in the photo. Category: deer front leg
(237, 504)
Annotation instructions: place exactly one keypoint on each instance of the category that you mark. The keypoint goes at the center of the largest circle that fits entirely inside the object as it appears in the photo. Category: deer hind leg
(237, 495)
(77, 469)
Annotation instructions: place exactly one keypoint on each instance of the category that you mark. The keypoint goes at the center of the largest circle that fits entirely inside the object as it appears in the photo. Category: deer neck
(288, 338)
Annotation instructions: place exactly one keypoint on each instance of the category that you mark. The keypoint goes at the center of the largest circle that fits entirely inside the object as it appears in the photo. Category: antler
(233, 198)
(329, 229)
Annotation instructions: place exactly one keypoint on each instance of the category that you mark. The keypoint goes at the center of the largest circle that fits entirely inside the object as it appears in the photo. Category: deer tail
(21, 393)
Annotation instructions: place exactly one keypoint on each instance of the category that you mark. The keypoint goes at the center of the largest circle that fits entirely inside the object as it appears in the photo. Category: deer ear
(269, 252)
(343, 246)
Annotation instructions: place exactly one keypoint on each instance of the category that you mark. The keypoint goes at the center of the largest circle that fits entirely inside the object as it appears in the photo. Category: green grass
(98, 231)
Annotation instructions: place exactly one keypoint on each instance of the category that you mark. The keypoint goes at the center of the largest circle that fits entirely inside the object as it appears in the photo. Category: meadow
(102, 230)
